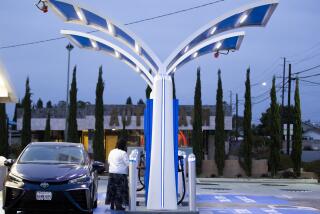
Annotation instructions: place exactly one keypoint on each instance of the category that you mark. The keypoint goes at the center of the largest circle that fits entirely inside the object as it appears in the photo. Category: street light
(259, 84)
(69, 47)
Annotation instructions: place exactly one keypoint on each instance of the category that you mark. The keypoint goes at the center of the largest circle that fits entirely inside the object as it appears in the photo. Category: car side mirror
(9, 162)
(98, 166)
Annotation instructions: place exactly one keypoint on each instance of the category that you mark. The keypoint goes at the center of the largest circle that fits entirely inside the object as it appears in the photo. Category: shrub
(15, 150)
(285, 162)
(313, 166)
(288, 174)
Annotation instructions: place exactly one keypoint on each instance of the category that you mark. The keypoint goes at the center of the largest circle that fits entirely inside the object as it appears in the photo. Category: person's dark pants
(117, 192)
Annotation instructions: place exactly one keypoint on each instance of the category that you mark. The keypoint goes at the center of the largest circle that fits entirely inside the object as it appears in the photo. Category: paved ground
(234, 197)
(225, 196)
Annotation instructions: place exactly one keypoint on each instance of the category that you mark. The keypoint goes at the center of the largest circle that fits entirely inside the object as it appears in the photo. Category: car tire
(10, 212)
(91, 212)
(95, 203)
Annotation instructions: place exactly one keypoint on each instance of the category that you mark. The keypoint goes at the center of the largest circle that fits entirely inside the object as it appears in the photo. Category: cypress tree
(72, 119)
(297, 132)
(39, 104)
(124, 133)
(49, 104)
(148, 89)
(173, 87)
(219, 129)
(26, 122)
(148, 92)
(18, 105)
(98, 141)
(247, 132)
(140, 102)
(275, 129)
(47, 131)
(197, 143)
(129, 101)
(3, 131)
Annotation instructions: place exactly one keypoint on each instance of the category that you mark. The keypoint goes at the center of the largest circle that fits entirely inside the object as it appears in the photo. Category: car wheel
(95, 203)
(10, 212)
(91, 212)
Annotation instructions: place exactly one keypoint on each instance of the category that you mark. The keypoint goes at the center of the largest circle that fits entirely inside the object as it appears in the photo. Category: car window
(52, 154)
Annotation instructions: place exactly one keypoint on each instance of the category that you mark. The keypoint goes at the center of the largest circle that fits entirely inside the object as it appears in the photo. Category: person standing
(117, 190)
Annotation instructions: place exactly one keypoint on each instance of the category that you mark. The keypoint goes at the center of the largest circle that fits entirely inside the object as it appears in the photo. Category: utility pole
(237, 128)
(283, 79)
(289, 111)
(231, 101)
(282, 103)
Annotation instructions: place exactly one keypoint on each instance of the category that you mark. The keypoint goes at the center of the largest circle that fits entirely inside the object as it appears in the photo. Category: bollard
(192, 182)
(133, 160)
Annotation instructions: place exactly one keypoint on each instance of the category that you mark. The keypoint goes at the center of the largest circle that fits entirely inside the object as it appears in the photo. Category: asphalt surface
(232, 197)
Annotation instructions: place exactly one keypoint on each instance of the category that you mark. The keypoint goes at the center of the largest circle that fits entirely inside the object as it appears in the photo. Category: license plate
(44, 196)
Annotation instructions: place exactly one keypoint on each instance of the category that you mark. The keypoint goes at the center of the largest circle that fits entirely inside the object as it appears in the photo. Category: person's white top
(118, 161)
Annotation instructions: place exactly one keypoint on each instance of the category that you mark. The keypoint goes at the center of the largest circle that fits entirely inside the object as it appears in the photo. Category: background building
(114, 118)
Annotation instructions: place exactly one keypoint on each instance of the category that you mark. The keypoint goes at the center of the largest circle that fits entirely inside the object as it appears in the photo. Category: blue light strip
(148, 142)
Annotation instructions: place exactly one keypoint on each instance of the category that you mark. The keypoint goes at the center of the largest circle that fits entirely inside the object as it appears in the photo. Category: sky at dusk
(293, 32)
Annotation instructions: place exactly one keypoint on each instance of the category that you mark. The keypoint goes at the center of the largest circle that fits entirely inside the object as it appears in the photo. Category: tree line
(197, 133)
(274, 129)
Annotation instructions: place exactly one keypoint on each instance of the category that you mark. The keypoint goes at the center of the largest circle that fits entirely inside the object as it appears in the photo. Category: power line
(267, 91)
(310, 50)
(267, 71)
(315, 83)
(31, 43)
(306, 58)
(129, 23)
(306, 70)
(175, 12)
(313, 75)
(266, 98)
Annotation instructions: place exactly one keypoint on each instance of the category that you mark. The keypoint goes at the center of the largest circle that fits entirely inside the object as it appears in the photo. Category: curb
(255, 180)
(248, 180)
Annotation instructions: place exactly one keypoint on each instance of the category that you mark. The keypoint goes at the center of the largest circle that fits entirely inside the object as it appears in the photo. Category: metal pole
(283, 79)
(288, 111)
(69, 48)
(231, 101)
(133, 158)
(237, 127)
(192, 182)
(282, 103)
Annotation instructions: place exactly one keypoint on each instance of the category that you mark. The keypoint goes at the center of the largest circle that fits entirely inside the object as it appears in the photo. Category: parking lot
(244, 197)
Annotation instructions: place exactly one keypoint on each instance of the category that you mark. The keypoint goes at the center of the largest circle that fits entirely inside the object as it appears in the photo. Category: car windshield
(54, 154)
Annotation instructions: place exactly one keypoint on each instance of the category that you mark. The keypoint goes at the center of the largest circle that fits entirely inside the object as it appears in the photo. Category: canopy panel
(78, 15)
(83, 40)
(252, 15)
(227, 42)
